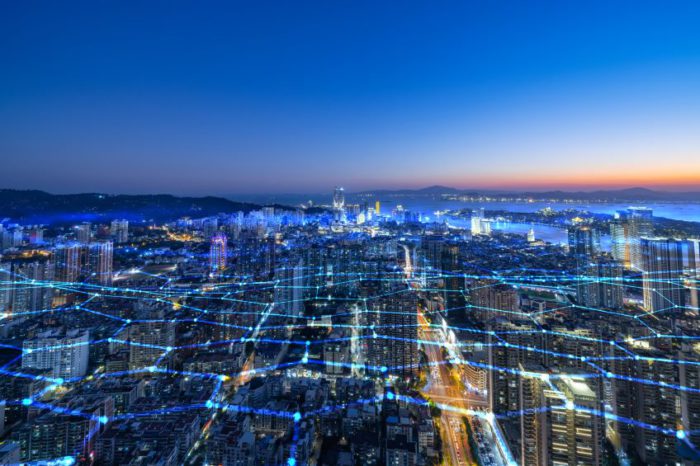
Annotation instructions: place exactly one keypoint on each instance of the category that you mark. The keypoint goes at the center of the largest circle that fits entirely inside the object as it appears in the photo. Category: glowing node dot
(390, 395)
(297, 416)
(104, 419)
(680, 434)
(27, 401)
(59, 381)
(569, 404)
(384, 369)
(291, 462)
(209, 404)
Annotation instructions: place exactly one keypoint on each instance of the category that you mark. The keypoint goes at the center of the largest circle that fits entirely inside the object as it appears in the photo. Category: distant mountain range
(630, 194)
(430, 190)
(32, 206)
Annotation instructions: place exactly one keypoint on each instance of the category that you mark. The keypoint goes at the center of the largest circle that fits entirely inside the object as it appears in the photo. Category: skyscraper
(24, 294)
(217, 253)
(599, 284)
(561, 425)
(339, 204)
(640, 225)
(662, 266)
(393, 343)
(120, 231)
(101, 258)
(339, 198)
(69, 259)
(584, 241)
(619, 235)
(83, 232)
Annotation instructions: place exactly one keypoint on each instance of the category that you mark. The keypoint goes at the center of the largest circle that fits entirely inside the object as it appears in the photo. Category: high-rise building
(531, 235)
(289, 289)
(30, 290)
(563, 423)
(101, 259)
(120, 231)
(339, 198)
(491, 299)
(619, 234)
(657, 404)
(393, 341)
(662, 267)
(599, 284)
(66, 355)
(377, 208)
(69, 259)
(147, 341)
(584, 241)
(5, 290)
(210, 226)
(217, 253)
(691, 257)
(11, 238)
(339, 204)
(640, 225)
(83, 233)
(475, 225)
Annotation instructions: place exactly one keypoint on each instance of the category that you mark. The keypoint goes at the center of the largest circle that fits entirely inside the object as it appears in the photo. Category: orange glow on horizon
(612, 179)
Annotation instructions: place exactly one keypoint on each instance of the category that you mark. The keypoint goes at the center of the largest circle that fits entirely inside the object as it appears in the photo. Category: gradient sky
(294, 96)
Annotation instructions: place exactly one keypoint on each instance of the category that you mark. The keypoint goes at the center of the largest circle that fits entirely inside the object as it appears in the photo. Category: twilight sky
(295, 96)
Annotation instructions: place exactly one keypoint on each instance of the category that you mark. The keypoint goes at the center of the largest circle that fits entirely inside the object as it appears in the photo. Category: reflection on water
(546, 233)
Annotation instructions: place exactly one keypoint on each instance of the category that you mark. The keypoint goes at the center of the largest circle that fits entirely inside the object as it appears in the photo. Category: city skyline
(350, 233)
(241, 99)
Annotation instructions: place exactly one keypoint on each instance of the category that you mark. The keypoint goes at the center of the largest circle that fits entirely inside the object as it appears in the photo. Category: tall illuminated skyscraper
(377, 208)
(619, 233)
(217, 253)
(640, 225)
(584, 241)
(662, 266)
(339, 198)
(560, 425)
(339, 204)
(69, 259)
(101, 261)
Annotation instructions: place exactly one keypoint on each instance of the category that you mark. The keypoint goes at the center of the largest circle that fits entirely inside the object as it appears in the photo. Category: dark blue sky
(231, 97)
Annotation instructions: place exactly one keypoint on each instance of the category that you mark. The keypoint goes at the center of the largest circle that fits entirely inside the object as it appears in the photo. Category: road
(443, 388)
